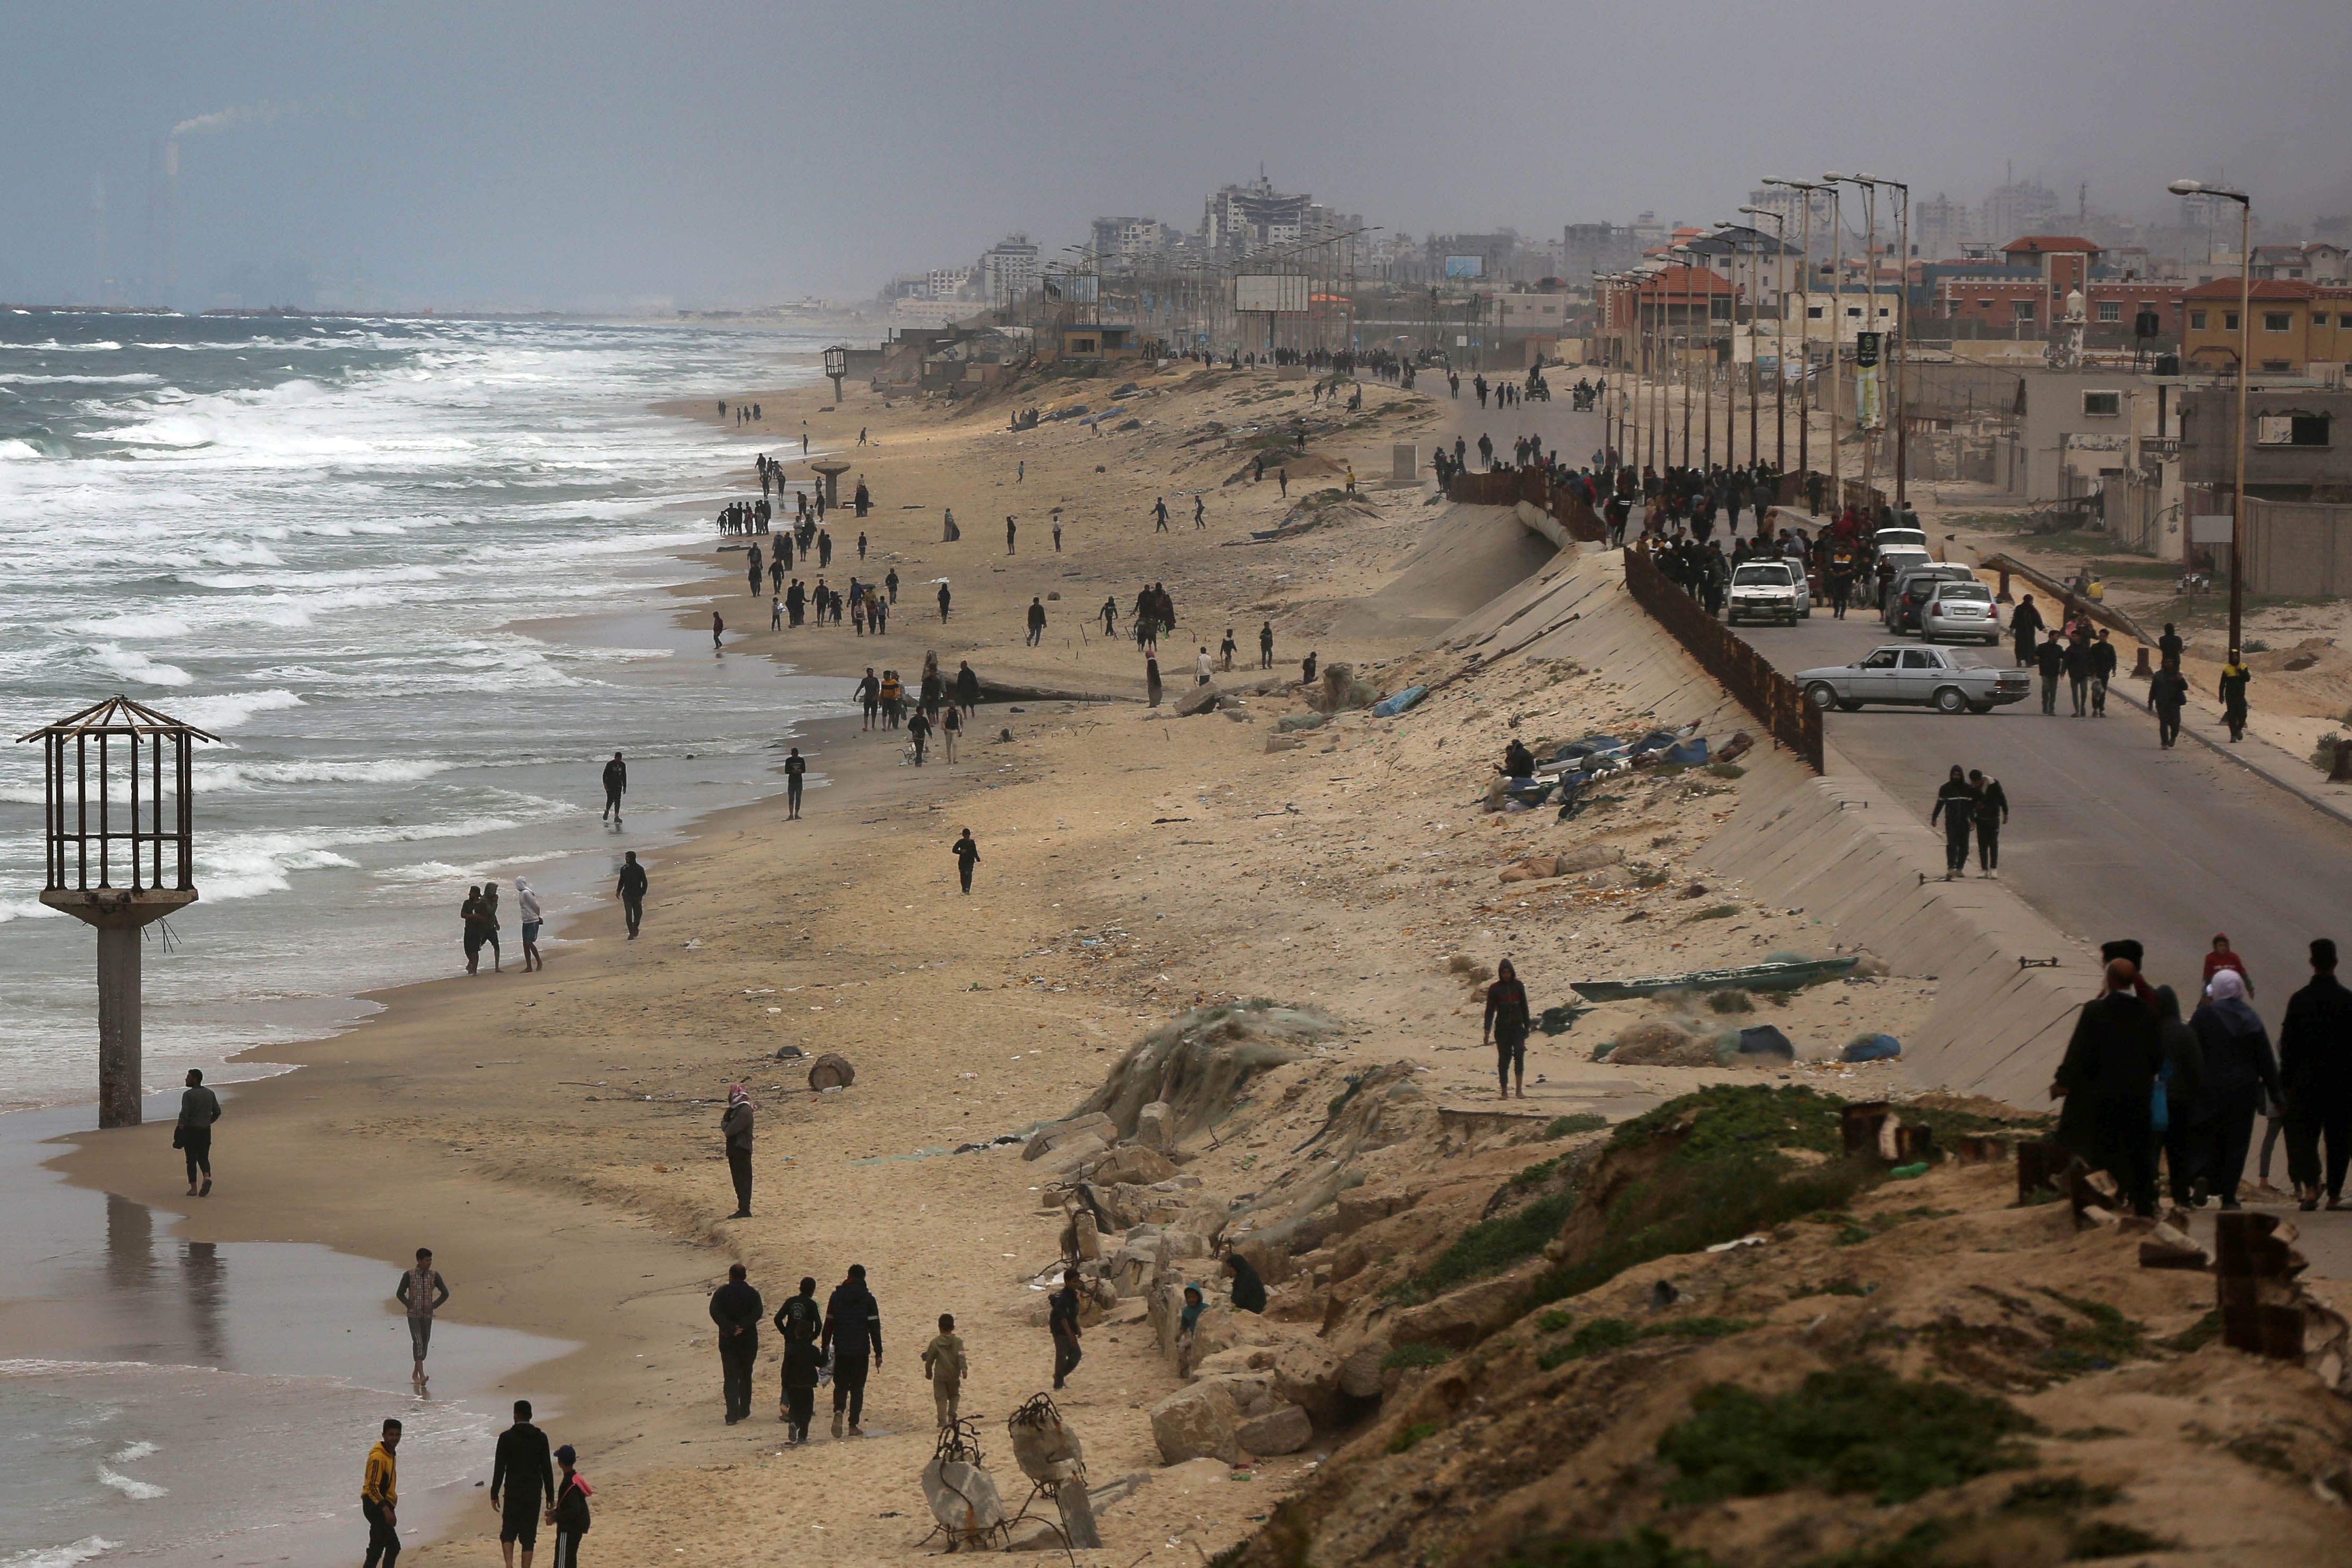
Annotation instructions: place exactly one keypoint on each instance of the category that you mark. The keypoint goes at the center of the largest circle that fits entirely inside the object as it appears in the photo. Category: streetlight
(2245, 364)
(1780, 339)
(1805, 189)
(1902, 356)
(1837, 329)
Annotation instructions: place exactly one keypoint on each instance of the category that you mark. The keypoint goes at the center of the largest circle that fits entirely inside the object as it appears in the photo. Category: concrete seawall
(1836, 846)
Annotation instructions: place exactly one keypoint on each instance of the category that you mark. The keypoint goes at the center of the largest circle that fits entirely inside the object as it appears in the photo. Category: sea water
(412, 575)
(332, 544)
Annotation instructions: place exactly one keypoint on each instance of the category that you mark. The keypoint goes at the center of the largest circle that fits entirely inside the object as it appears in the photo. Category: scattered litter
(1755, 1240)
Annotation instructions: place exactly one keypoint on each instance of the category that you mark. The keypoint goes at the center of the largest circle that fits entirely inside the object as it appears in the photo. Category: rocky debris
(963, 1498)
(1339, 692)
(1197, 1063)
(1654, 1042)
(1046, 1447)
(1047, 1138)
(1202, 1421)
(1134, 1164)
(1282, 743)
(2168, 1247)
(1285, 1430)
(1155, 1127)
(1072, 1155)
(1202, 699)
(831, 1071)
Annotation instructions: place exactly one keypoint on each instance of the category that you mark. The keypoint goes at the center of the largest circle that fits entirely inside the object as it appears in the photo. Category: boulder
(831, 1071)
(1047, 1138)
(1088, 1238)
(1460, 1319)
(1270, 1258)
(1285, 1430)
(1202, 699)
(1155, 1127)
(1359, 1371)
(1359, 1206)
(1072, 1155)
(1221, 1328)
(1200, 1421)
(963, 1498)
(1135, 1164)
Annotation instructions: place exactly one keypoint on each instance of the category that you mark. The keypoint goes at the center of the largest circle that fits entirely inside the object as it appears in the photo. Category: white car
(1769, 590)
(1960, 610)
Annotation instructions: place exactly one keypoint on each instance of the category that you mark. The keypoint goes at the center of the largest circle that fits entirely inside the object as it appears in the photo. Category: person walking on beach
(735, 1125)
(1058, 536)
(1199, 514)
(421, 1291)
(1203, 668)
(718, 630)
(1226, 649)
(523, 1470)
(737, 1309)
(570, 1513)
(943, 601)
(802, 1325)
(944, 1364)
(616, 784)
(1265, 645)
(1506, 1025)
(795, 771)
(1008, 535)
(2232, 695)
(1036, 621)
(527, 905)
(1062, 1319)
(380, 1498)
(853, 1330)
(491, 924)
(966, 854)
(918, 730)
(193, 1137)
(967, 687)
(469, 915)
(632, 889)
(952, 730)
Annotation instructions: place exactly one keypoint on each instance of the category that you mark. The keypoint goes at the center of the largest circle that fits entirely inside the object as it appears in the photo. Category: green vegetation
(1855, 1429)
(1835, 1288)
(2098, 1339)
(1730, 1000)
(1652, 878)
(1641, 1549)
(1408, 1438)
(1416, 1355)
(1570, 1126)
(1493, 1245)
(1726, 770)
(2262, 1454)
(1698, 1328)
(1554, 1320)
(2197, 1335)
(2057, 1495)
(1599, 1334)
(1726, 1178)
(1537, 1174)
(1714, 913)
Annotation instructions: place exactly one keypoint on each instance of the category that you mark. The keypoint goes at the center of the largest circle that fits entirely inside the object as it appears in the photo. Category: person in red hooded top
(2221, 958)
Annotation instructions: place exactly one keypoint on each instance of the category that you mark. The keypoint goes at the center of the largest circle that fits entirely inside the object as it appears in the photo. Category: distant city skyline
(602, 155)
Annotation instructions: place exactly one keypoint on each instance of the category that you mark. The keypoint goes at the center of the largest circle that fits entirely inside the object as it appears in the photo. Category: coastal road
(2111, 835)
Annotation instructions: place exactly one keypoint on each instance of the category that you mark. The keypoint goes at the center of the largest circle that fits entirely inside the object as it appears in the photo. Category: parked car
(1960, 610)
(1914, 677)
(1914, 536)
(1769, 590)
(1896, 560)
(1913, 586)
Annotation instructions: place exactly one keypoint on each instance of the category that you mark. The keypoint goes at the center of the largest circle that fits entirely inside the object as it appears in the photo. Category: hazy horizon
(604, 156)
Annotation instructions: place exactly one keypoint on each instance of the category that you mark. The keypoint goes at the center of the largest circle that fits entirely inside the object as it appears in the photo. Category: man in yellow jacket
(380, 1498)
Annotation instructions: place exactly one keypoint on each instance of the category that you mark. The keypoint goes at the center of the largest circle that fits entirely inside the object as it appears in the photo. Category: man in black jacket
(616, 784)
(1062, 1319)
(853, 1330)
(2167, 693)
(2105, 1079)
(2050, 658)
(525, 1472)
(631, 888)
(736, 1308)
(2024, 625)
(1956, 802)
(2316, 1070)
(801, 1324)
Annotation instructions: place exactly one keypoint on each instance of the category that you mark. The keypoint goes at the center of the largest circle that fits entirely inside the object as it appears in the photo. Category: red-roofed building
(2295, 325)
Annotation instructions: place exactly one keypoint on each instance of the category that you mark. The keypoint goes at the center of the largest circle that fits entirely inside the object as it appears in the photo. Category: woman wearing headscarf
(527, 905)
(736, 1124)
(1506, 1025)
(490, 924)
(2177, 1100)
(2240, 1069)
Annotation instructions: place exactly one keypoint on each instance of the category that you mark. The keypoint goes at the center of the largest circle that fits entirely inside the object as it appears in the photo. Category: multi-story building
(1008, 270)
(2019, 207)
(2296, 326)
(1118, 240)
(946, 282)
(1586, 249)
(1241, 218)
(1940, 227)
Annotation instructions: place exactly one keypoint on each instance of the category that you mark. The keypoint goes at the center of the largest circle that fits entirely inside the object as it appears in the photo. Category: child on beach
(944, 1364)
(422, 1291)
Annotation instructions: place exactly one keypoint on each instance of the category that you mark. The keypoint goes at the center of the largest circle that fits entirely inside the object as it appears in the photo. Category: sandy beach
(553, 1137)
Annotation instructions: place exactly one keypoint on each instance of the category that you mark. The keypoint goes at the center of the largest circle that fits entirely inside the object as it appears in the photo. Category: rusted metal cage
(117, 792)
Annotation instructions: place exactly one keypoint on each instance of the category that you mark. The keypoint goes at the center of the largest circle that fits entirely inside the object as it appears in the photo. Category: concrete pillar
(120, 1061)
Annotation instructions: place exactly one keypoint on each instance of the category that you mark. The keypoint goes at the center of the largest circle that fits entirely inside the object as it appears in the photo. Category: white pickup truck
(1914, 677)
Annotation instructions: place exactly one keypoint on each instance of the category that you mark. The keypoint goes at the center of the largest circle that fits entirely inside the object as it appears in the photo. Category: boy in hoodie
(944, 1364)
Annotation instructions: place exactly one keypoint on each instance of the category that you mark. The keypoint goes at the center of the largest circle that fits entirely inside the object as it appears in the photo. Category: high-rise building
(1586, 249)
(1940, 227)
(2020, 206)
(1239, 219)
(1008, 270)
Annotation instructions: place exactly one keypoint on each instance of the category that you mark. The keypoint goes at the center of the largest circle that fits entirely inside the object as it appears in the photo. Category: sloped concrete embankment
(1837, 846)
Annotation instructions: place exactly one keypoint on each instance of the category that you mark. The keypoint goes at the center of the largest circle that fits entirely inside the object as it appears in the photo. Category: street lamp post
(2245, 365)
(1779, 341)
(1837, 330)
(1901, 361)
(1804, 189)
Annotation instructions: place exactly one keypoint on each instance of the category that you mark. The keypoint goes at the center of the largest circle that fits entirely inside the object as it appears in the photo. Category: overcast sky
(601, 152)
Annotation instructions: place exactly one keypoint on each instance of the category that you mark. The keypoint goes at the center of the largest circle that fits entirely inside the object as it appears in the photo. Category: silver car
(1960, 610)
(1914, 677)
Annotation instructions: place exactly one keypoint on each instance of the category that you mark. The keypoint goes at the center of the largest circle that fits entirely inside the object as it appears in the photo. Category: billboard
(1465, 266)
(1280, 294)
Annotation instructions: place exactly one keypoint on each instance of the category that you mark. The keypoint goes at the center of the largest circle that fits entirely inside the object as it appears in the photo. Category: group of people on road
(2141, 1084)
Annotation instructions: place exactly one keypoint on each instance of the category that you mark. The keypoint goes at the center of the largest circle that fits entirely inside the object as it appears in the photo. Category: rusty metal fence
(1778, 702)
(1509, 487)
